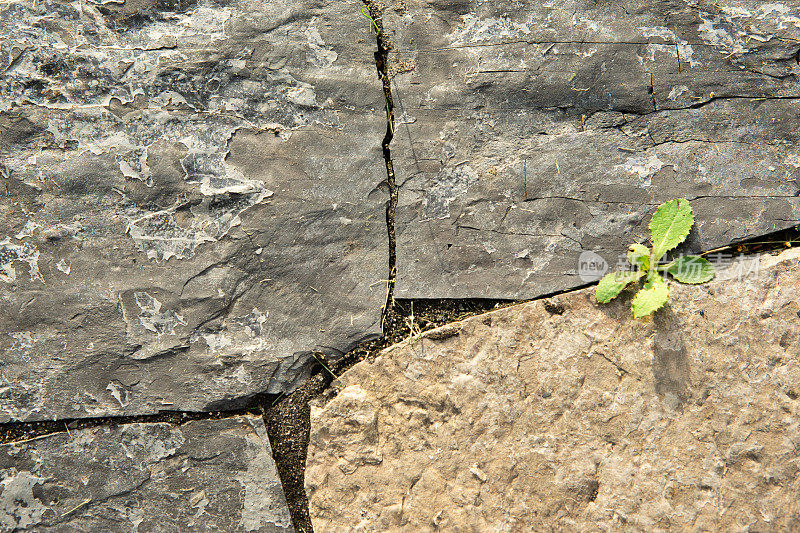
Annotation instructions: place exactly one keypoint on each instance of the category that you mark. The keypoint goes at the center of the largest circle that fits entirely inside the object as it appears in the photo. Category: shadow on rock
(670, 360)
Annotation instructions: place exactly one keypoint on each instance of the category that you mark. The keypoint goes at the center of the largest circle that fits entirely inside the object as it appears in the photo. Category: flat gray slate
(193, 201)
(530, 132)
(206, 475)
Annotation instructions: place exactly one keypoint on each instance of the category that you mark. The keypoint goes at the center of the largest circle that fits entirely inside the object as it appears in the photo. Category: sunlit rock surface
(565, 415)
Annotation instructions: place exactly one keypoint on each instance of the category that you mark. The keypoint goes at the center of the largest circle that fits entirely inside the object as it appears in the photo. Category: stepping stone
(528, 133)
(205, 475)
(193, 201)
(562, 414)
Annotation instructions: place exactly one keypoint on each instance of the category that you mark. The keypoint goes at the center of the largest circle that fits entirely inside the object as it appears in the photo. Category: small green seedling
(366, 13)
(669, 227)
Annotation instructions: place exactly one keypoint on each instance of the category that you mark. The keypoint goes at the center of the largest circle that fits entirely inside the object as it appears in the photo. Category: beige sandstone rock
(566, 415)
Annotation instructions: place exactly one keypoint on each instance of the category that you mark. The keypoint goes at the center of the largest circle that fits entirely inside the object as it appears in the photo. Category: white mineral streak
(644, 166)
(151, 317)
(26, 253)
(137, 58)
(681, 49)
(478, 30)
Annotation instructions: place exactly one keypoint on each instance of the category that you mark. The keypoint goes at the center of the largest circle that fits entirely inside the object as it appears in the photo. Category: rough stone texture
(209, 475)
(564, 415)
(192, 200)
(528, 132)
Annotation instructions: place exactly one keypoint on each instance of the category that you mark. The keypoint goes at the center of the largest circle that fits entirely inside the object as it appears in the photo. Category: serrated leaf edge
(679, 201)
(666, 298)
(639, 275)
(675, 262)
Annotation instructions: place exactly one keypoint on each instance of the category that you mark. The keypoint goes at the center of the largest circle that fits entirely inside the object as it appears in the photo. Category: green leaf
(639, 255)
(691, 269)
(654, 295)
(670, 226)
(613, 283)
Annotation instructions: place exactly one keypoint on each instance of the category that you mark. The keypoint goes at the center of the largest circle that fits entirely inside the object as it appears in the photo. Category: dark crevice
(632, 111)
(25, 431)
(651, 91)
(289, 420)
(382, 66)
(770, 243)
(714, 99)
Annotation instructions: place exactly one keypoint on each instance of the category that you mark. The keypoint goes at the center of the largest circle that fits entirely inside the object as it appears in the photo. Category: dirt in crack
(25, 431)
(289, 419)
(383, 47)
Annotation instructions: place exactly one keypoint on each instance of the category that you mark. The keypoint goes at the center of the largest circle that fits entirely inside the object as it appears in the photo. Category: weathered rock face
(565, 415)
(529, 132)
(192, 200)
(210, 475)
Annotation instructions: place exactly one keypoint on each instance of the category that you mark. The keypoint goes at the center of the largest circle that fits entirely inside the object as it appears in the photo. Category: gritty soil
(288, 420)
(773, 243)
(24, 431)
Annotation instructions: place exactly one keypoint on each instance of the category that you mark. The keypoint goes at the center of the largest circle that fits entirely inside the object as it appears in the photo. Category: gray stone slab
(206, 475)
(530, 132)
(193, 201)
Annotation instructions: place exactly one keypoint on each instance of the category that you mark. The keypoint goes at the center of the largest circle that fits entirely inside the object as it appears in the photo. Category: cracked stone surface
(561, 414)
(529, 132)
(206, 475)
(192, 200)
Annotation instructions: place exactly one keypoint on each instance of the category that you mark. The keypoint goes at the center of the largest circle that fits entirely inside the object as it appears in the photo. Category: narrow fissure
(289, 421)
(18, 432)
(382, 66)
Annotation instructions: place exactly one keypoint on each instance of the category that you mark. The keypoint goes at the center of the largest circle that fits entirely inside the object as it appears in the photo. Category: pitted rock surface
(530, 132)
(565, 415)
(193, 201)
(206, 475)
